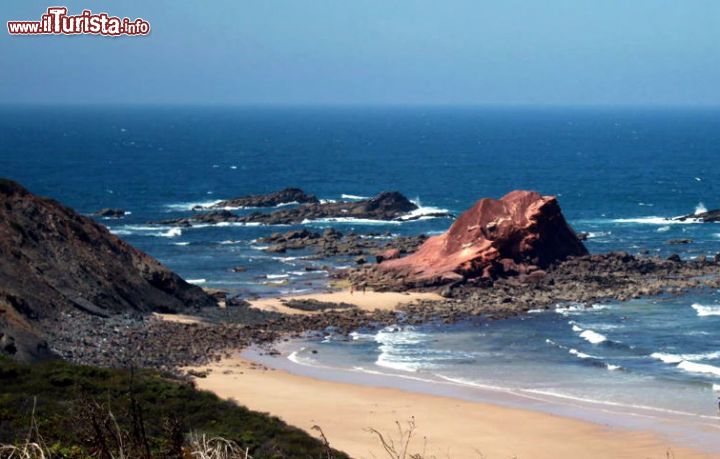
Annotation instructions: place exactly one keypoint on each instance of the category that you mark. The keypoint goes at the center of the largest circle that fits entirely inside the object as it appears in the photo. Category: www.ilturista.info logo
(57, 22)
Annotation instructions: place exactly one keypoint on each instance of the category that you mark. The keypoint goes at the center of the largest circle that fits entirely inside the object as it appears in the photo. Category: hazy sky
(631, 52)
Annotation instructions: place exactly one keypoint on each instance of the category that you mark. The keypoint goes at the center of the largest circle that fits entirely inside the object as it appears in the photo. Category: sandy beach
(448, 427)
(367, 301)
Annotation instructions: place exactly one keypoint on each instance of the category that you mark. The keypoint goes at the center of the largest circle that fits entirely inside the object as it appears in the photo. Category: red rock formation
(520, 233)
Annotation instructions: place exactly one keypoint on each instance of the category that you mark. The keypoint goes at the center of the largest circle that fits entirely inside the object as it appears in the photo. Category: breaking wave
(593, 337)
(155, 231)
(703, 310)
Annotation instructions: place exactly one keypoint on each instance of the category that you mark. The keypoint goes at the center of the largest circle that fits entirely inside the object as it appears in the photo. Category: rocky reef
(285, 196)
(519, 234)
(387, 206)
(55, 260)
(332, 242)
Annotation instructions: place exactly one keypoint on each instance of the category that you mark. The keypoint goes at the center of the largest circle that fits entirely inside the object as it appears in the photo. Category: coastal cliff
(55, 260)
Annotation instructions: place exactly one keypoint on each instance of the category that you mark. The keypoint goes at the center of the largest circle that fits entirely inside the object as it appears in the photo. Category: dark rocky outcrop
(110, 213)
(520, 233)
(54, 260)
(679, 241)
(286, 196)
(332, 242)
(710, 216)
(387, 206)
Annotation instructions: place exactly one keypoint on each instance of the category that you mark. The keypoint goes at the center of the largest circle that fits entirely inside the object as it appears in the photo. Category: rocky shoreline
(143, 341)
(499, 259)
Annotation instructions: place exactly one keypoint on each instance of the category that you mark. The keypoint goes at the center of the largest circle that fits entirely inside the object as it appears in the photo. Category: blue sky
(399, 52)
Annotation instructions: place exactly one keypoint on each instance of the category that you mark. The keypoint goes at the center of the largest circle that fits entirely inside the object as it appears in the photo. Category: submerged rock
(517, 234)
(55, 260)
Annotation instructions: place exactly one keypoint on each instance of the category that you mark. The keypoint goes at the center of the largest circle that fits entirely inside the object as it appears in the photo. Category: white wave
(703, 311)
(653, 220)
(277, 276)
(327, 201)
(716, 387)
(693, 367)
(356, 336)
(570, 309)
(230, 242)
(582, 355)
(392, 355)
(196, 281)
(593, 337)
(677, 358)
(575, 328)
(181, 243)
(551, 393)
(667, 358)
(140, 230)
(536, 311)
(596, 234)
(700, 209)
(294, 358)
(423, 213)
(353, 197)
(233, 167)
(468, 382)
(612, 367)
(172, 232)
(663, 229)
(192, 205)
(356, 221)
(276, 282)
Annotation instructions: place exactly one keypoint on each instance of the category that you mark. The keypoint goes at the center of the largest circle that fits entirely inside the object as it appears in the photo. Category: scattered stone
(679, 241)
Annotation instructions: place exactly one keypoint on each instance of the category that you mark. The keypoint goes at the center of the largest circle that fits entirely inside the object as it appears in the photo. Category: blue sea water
(617, 172)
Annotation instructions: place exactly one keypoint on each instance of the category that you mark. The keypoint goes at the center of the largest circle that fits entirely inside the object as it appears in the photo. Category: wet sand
(367, 301)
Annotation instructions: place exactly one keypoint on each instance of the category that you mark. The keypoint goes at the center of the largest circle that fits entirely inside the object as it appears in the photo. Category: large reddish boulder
(520, 233)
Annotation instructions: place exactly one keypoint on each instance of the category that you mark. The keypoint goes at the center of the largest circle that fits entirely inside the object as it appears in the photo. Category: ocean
(618, 174)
